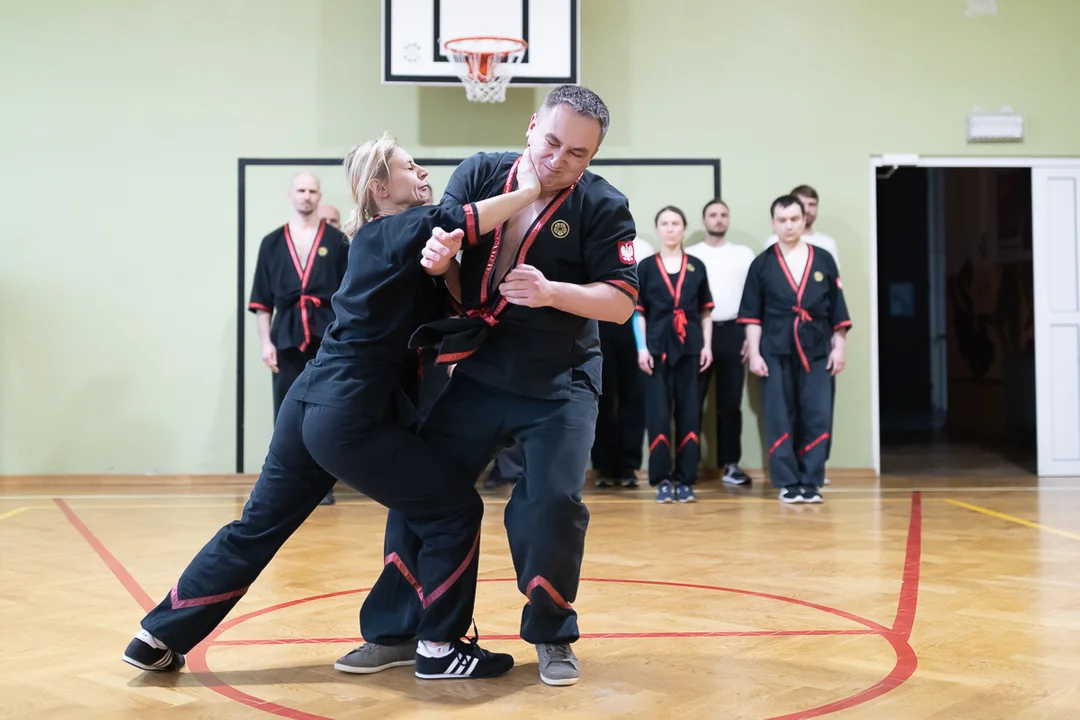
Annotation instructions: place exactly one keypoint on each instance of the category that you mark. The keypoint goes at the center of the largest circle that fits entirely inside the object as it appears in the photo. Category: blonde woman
(343, 419)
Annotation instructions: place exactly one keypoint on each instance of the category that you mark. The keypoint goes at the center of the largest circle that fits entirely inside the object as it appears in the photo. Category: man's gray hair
(584, 101)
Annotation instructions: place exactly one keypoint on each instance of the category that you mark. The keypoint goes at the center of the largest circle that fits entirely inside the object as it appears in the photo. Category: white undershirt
(818, 240)
(726, 266)
(796, 260)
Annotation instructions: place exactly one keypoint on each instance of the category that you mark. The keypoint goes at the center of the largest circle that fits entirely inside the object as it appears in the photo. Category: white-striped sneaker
(466, 660)
(147, 657)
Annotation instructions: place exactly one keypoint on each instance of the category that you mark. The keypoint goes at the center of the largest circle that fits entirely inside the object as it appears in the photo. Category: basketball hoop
(483, 64)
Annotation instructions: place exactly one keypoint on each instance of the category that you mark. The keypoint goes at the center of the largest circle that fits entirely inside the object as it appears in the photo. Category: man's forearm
(452, 278)
(753, 340)
(262, 321)
(599, 301)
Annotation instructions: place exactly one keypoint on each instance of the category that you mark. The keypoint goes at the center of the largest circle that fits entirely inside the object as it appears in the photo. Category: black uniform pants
(545, 518)
(832, 415)
(509, 465)
(291, 362)
(798, 414)
(672, 389)
(727, 366)
(311, 446)
(620, 424)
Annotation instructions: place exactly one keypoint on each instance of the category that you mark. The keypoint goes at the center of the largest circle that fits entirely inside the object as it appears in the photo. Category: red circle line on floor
(897, 636)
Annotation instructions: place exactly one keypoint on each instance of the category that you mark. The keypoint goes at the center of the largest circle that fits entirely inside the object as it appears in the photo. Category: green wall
(121, 122)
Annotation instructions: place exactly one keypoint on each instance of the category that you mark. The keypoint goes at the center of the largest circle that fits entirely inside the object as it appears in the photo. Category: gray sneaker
(372, 658)
(558, 664)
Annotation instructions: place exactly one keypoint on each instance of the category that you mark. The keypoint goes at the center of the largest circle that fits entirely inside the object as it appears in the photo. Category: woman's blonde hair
(364, 163)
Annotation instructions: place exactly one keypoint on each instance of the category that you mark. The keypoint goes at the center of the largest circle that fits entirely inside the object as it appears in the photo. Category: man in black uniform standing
(528, 368)
(796, 334)
(300, 267)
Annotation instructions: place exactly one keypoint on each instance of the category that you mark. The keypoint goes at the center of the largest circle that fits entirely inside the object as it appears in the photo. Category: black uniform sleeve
(609, 244)
(705, 299)
(642, 303)
(467, 185)
(839, 316)
(341, 255)
(262, 289)
(408, 231)
(752, 307)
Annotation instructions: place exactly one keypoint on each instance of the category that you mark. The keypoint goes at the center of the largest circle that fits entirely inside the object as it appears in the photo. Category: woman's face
(671, 229)
(408, 185)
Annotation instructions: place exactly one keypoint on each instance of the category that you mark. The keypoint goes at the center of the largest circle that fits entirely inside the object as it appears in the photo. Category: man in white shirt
(726, 264)
(808, 196)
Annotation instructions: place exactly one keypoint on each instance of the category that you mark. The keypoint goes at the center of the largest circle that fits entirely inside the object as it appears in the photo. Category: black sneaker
(792, 494)
(629, 481)
(465, 660)
(152, 659)
(734, 475)
(811, 495)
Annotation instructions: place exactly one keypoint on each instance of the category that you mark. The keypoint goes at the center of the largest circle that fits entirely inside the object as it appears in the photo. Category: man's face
(811, 209)
(789, 223)
(305, 193)
(563, 143)
(717, 219)
(330, 214)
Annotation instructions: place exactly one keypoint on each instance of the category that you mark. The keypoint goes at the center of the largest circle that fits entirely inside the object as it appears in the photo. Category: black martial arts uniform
(525, 374)
(347, 417)
(797, 322)
(298, 297)
(620, 424)
(673, 305)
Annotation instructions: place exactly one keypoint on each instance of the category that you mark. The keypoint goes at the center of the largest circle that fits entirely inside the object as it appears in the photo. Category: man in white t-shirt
(726, 264)
(808, 196)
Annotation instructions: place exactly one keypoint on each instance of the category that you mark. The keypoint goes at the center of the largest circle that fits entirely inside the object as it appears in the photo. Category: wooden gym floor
(913, 598)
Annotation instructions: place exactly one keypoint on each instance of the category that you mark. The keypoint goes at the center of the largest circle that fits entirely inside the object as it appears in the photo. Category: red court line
(909, 589)
(196, 659)
(134, 589)
(584, 636)
(876, 627)
(898, 635)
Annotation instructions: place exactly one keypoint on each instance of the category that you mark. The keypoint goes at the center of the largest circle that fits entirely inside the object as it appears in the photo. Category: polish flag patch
(626, 252)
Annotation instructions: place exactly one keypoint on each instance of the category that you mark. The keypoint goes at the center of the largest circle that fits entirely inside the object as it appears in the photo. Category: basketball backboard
(413, 32)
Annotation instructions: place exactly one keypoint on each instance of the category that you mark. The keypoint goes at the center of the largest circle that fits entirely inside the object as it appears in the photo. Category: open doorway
(956, 323)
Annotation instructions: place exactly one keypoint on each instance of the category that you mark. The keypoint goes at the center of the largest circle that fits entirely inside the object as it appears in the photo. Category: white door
(1055, 204)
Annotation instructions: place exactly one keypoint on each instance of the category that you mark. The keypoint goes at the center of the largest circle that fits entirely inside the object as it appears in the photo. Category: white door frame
(911, 160)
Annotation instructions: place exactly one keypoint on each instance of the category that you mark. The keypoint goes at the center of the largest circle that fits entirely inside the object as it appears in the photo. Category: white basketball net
(484, 65)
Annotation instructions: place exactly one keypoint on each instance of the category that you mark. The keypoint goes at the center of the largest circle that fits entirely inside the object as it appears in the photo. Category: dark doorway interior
(956, 347)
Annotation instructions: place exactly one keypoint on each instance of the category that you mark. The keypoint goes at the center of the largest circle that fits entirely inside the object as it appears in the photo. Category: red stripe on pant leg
(688, 438)
(777, 444)
(177, 603)
(449, 582)
(539, 582)
(393, 558)
(811, 446)
(659, 439)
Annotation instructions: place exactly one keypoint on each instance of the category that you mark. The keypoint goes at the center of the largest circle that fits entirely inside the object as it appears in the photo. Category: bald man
(300, 266)
(330, 214)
